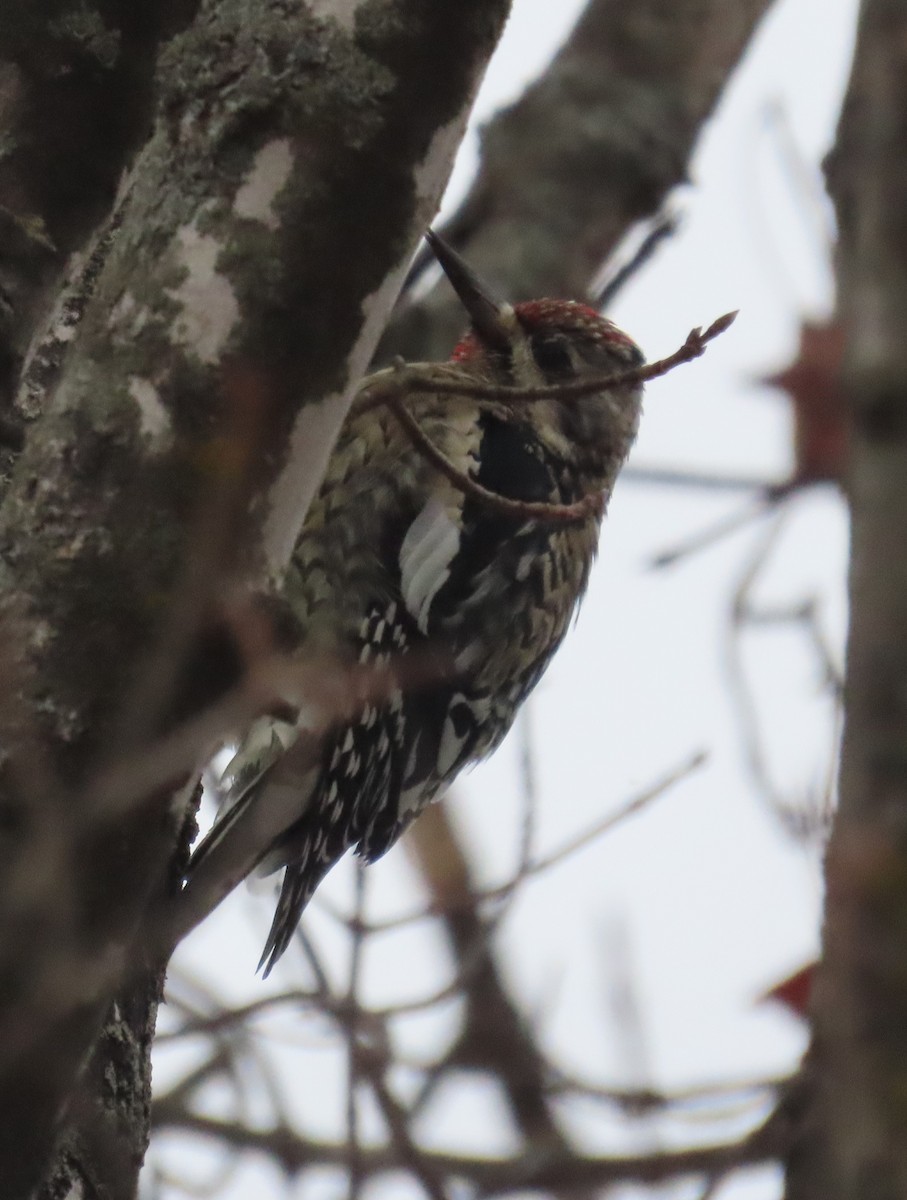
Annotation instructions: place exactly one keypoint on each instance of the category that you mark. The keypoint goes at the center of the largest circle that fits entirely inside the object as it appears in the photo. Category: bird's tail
(269, 786)
(300, 881)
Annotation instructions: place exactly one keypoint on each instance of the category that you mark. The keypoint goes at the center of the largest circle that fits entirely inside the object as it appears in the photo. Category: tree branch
(291, 165)
(854, 1143)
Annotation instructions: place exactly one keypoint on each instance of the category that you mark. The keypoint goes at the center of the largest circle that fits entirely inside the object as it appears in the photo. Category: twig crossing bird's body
(395, 563)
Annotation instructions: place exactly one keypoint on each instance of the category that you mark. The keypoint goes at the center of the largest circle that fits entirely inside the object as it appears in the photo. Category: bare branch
(393, 386)
(536, 867)
(491, 1176)
(402, 380)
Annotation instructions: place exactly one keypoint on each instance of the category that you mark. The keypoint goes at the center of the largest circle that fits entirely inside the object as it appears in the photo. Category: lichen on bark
(203, 335)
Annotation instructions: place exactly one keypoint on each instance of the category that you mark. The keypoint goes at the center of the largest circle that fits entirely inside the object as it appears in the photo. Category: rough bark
(76, 89)
(853, 1144)
(261, 235)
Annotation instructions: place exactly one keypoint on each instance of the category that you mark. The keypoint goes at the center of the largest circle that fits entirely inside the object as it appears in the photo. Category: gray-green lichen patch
(90, 534)
(84, 27)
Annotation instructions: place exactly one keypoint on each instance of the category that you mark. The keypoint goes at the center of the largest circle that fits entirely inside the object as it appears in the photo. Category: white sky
(706, 898)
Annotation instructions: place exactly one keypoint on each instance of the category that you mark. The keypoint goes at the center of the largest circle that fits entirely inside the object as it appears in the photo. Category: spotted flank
(460, 734)
(354, 805)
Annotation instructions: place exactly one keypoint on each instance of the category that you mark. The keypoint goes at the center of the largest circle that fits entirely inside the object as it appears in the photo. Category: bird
(397, 564)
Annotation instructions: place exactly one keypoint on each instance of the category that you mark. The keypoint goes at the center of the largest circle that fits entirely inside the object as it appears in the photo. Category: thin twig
(523, 510)
(709, 481)
(237, 1044)
(525, 1171)
(643, 1099)
(393, 386)
(315, 961)
(571, 846)
(409, 1154)
(767, 502)
(805, 821)
(398, 382)
(225, 1019)
(354, 1058)
(366, 1040)
(528, 788)
(666, 226)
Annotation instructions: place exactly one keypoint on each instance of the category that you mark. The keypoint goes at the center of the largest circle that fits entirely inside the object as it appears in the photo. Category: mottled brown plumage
(395, 559)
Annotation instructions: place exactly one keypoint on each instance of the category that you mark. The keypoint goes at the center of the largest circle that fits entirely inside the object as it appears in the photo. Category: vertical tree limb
(263, 229)
(853, 1144)
(76, 97)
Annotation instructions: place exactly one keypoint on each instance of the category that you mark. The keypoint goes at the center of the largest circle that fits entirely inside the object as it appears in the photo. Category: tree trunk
(281, 162)
(853, 1144)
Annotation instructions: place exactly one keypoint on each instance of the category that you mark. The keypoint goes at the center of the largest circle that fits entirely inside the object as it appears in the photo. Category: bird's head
(550, 342)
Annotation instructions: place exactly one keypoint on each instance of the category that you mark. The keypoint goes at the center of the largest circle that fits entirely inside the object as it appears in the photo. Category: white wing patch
(264, 745)
(426, 555)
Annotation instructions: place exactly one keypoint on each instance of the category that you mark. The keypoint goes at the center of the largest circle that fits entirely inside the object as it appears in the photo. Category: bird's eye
(551, 355)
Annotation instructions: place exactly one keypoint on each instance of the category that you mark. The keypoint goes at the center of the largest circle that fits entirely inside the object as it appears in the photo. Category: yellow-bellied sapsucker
(395, 560)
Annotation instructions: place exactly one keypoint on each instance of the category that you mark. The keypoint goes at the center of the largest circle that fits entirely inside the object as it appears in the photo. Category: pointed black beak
(484, 311)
